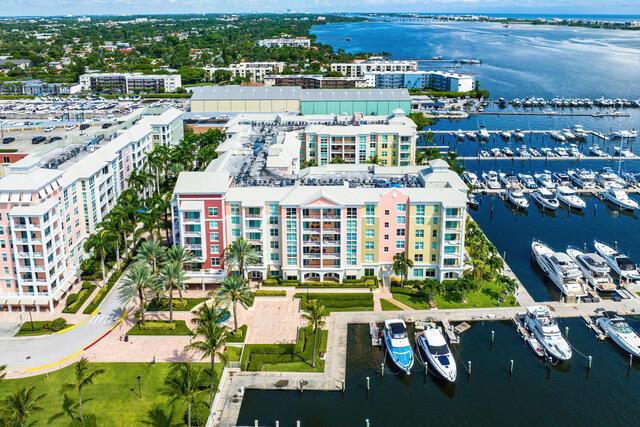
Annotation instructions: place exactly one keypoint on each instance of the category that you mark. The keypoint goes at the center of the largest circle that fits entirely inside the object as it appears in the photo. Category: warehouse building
(248, 99)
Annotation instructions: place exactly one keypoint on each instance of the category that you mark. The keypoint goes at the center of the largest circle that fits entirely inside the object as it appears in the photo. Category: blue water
(519, 61)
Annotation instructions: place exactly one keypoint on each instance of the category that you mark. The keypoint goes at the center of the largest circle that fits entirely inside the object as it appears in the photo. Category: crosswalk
(104, 319)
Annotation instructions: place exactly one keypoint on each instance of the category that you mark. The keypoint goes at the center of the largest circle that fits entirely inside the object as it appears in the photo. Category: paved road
(22, 354)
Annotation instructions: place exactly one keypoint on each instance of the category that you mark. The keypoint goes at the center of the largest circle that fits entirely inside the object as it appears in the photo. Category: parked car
(50, 129)
(84, 126)
(8, 140)
(38, 139)
(55, 138)
(106, 125)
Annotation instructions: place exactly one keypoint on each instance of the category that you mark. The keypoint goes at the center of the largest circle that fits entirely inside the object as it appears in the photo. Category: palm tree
(18, 406)
(240, 254)
(401, 266)
(3, 371)
(100, 244)
(314, 314)
(185, 383)
(153, 253)
(234, 290)
(207, 313)
(180, 256)
(120, 217)
(211, 343)
(479, 268)
(496, 265)
(139, 278)
(172, 277)
(430, 288)
(83, 378)
(508, 284)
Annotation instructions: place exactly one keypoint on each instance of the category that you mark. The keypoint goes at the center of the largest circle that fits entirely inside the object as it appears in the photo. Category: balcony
(331, 230)
(311, 230)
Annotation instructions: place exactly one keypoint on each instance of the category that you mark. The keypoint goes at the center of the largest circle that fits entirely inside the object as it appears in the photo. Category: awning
(191, 205)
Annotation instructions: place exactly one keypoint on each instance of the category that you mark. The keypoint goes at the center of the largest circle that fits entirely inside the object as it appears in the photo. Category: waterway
(518, 61)
(567, 394)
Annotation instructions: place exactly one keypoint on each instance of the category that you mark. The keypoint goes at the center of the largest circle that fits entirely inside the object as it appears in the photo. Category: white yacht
(491, 181)
(594, 268)
(432, 344)
(471, 135)
(544, 327)
(561, 152)
(471, 179)
(546, 198)
(561, 269)
(597, 151)
(527, 180)
(548, 152)
(561, 179)
(523, 151)
(582, 178)
(624, 134)
(579, 132)
(545, 179)
(484, 153)
(623, 152)
(459, 135)
(518, 134)
(620, 198)
(515, 196)
(607, 178)
(483, 133)
(574, 151)
(616, 328)
(534, 152)
(506, 134)
(568, 134)
(496, 152)
(569, 197)
(398, 345)
(507, 152)
(557, 136)
(508, 179)
(620, 263)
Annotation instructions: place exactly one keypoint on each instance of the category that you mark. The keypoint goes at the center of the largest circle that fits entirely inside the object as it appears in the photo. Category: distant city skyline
(148, 7)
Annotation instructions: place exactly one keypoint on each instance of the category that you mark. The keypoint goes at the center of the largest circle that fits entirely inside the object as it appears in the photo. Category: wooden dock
(545, 158)
(374, 331)
(595, 328)
(450, 331)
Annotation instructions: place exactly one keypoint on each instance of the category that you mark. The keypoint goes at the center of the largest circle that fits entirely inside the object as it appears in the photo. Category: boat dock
(549, 113)
(595, 328)
(545, 158)
(374, 331)
(450, 331)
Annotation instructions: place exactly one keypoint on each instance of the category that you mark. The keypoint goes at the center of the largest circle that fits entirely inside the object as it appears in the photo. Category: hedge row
(75, 300)
(102, 293)
(268, 293)
(160, 327)
(363, 282)
(41, 327)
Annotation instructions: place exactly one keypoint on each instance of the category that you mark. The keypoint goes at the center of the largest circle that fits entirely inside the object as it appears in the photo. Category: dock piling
(368, 384)
(277, 423)
(366, 422)
(382, 369)
(342, 386)
(255, 423)
(589, 363)
(566, 332)
(469, 368)
(630, 360)
(511, 367)
(301, 386)
(298, 423)
(493, 335)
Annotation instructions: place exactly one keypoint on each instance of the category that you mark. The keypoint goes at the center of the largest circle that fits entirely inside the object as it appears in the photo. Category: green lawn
(185, 304)
(82, 296)
(239, 335)
(286, 357)
(388, 305)
(41, 327)
(339, 301)
(160, 327)
(113, 398)
(486, 296)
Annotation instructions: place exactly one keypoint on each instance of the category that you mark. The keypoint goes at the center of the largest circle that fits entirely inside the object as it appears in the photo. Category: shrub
(57, 324)
(89, 421)
(199, 414)
(71, 299)
(267, 293)
(150, 324)
(270, 282)
(239, 335)
(87, 285)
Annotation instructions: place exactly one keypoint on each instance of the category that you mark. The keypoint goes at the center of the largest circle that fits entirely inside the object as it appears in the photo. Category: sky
(117, 7)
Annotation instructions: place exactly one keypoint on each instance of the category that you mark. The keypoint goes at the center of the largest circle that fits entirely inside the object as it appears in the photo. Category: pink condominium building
(49, 205)
(328, 232)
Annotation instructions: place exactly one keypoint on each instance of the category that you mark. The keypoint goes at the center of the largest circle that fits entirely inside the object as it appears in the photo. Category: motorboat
(544, 179)
(459, 135)
(484, 153)
(545, 329)
(620, 263)
(523, 151)
(561, 152)
(568, 134)
(623, 152)
(432, 344)
(527, 180)
(561, 269)
(557, 136)
(506, 134)
(508, 179)
(397, 343)
(484, 134)
(496, 152)
(582, 178)
(548, 152)
(579, 132)
(594, 269)
(597, 151)
(519, 135)
(624, 134)
(569, 197)
(516, 196)
(491, 181)
(472, 201)
(631, 178)
(617, 328)
(561, 179)
(506, 151)
(534, 152)
(620, 198)
(607, 178)
(546, 198)
(471, 179)
(471, 135)
(574, 151)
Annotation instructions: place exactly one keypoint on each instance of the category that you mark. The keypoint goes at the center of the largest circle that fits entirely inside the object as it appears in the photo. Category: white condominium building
(361, 67)
(255, 71)
(125, 83)
(285, 42)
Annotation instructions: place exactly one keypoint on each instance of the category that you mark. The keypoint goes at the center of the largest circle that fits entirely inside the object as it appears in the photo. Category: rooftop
(297, 93)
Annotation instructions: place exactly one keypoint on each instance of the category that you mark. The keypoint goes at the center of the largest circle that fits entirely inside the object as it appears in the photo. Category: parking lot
(61, 137)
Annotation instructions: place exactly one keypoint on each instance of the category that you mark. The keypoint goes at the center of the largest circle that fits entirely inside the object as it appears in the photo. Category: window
(418, 272)
(386, 225)
(215, 249)
(369, 245)
(273, 220)
(369, 233)
(275, 244)
(452, 211)
(274, 232)
(419, 246)
(275, 257)
(399, 244)
(419, 220)
(433, 258)
(419, 234)
(214, 237)
(386, 248)
(434, 246)
(215, 262)
(370, 220)
(450, 250)
(213, 224)
(400, 232)
(386, 212)
(370, 210)
(435, 221)
(386, 237)
(401, 207)
(434, 233)
(368, 258)
(213, 211)
(418, 258)
(401, 219)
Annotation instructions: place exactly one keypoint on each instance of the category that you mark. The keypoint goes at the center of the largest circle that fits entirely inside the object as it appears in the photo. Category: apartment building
(392, 142)
(126, 83)
(285, 42)
(255, 71)
(313, 81)
(436, 80)
(49, 205)
(373, 64)
(327, 232)
(167, 128)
